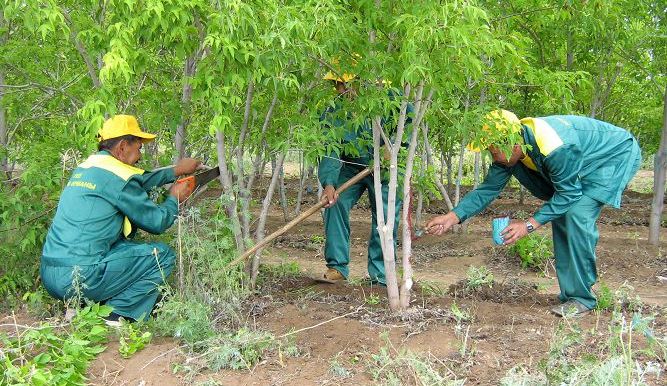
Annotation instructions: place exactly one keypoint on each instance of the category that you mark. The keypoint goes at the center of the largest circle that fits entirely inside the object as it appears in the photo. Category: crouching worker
(576, 165)
(88, 251)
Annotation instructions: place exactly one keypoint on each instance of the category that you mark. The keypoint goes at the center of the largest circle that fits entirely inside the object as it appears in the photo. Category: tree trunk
(659, 176)
(266, 205)
(476, 170)
(302, 183)
(386, 237)
(283, 193)
(459, 175)
(225, 180)
(87, 59)
(429, 161)
(406, 282)
(186, 97)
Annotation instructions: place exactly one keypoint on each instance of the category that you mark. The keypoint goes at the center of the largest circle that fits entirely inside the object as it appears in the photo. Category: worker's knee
(164, 257)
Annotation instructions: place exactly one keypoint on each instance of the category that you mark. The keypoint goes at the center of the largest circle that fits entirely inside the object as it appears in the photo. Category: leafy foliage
(46, 355)
(535, 251)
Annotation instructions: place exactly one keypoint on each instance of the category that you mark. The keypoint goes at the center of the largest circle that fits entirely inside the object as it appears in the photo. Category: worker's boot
(570, 308)
(332, 276)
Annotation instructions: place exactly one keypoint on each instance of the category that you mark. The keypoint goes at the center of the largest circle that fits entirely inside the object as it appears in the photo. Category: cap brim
(145, 137)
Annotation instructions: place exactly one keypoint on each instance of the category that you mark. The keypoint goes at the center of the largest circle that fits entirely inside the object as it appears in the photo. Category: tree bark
(659, 176)
(186, 97)
(225, 180)
(266, 205)
(406, 282)
(87, 59)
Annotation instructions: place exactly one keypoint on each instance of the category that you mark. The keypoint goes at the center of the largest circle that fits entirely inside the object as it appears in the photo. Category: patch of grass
(478, 276)
(399, 367)
(430, 288)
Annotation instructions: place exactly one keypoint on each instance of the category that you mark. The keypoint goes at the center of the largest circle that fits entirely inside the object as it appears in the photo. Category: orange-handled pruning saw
(200, 179)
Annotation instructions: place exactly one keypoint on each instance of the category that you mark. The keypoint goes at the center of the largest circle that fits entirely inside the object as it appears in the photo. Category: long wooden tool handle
(300, 218)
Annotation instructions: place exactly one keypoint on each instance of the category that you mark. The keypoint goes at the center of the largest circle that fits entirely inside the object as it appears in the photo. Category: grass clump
(477, 277)
(392, 366)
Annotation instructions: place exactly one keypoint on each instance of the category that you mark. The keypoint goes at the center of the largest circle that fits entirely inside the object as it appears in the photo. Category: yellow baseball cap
(120, 125)
(496, 122)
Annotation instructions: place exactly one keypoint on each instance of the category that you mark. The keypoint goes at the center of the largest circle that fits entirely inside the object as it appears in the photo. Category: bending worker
(88, 252)
(576, 165)
(335, 169)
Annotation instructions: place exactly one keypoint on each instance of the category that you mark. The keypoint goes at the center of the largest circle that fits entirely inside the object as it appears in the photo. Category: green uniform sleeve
(562, 166)
(475, 201)
(133, 202)
(158, 177)
(328, 170)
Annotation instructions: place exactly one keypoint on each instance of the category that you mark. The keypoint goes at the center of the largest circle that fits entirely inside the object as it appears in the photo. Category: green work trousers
(337, 225)
(127, 278)
(575, 236)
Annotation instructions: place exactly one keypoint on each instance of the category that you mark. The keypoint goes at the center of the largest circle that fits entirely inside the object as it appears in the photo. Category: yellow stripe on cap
(546, 136)
(112, 165)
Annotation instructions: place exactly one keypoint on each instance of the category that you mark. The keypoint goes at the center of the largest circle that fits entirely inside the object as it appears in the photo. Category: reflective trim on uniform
(529, 162)
(546, 137)
(112, 165)
(127, 227)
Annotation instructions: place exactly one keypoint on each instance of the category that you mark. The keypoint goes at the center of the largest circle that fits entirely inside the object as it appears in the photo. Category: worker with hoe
(338, 167)
(88, 250)
(576, 165)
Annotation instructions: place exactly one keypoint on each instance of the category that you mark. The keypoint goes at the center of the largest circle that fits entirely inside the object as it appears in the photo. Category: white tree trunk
(227, 188)
(406, 282)
(659, 176)
(476, 170)
(459, 175)
(266, 205)
(186, 97)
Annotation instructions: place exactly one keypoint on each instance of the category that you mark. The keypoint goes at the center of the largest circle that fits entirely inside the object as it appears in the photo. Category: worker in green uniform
(335, 169)
(88, 251)
(576, 165)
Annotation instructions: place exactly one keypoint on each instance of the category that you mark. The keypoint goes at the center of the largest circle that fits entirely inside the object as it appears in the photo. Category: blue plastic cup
(499, 224)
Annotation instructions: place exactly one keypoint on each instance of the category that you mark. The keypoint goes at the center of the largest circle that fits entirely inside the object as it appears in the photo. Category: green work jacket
(103, 202)
(356, 139)
(574, 155)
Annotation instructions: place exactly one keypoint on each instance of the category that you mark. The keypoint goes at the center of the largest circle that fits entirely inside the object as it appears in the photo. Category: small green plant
(372, 299)
(317, 239)
(45, 355)
(605, 298)
(338, 370)
(430, 288)
(478, 276)
(461, 316)
(132, 339)
(535, 251)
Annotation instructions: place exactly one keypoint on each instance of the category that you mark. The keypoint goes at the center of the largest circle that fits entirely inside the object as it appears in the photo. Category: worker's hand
(330, 195)
(516, 230)
(186, 166)
(181, 191)
(441, 224)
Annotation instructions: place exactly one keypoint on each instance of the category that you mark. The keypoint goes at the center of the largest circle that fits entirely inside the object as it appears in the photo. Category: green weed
(398, 367)
(46, 355)
(605, 298)
(132, 339)
(478, 276)
(535, 251)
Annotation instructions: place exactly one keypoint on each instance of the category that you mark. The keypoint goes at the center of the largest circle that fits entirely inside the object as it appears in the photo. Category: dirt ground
(341, 326)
